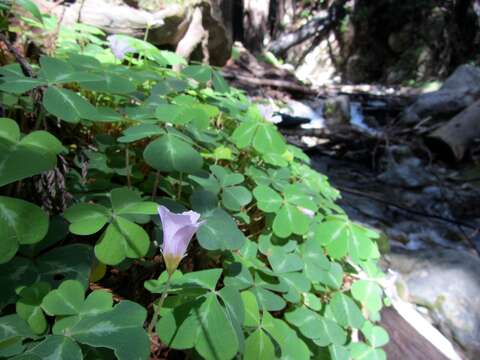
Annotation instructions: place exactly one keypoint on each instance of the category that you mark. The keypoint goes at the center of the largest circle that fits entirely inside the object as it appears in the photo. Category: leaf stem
(159, 306)
(127, 167)
(180, 183)
(155, 184)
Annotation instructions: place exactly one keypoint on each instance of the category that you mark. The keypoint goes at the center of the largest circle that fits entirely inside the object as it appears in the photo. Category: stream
(426, 213)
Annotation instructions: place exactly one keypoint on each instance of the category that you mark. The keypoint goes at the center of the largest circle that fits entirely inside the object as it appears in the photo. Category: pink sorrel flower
(119, 46)
(178, 230)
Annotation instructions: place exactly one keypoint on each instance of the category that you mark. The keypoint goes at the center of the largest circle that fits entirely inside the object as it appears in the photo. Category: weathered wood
(318, 26)
(168, 26)
(405, 342)
(275, 83)
(459, 91)
(193, 37)
(459, 132)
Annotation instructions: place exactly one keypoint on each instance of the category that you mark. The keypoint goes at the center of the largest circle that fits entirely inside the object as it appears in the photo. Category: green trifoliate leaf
(220, 232)
(87, 219)
(55, 70)
(291, 346)
(108, 83)
(19, 85)
(111, 329)
(268, 199)
(169, 86)
(375, 335)
(180, 114)
(252, 314)
(66, 300)
(200, 73)
(282, 262)
(268, 300)
(21, 223)
(67, 105)
(170, 153)
(28, 306)
(219, 83)
(236, 197)
(297, 284)
(66, 262)
(339, 352)
(37, 152)
(203, 324)
(322, 330)
(140, 132)
(332, 231)
(259, 346)
(361, 351)
(290, 220)
(268, 140)
(314, 259)
(122, 239)
(128, 201)
(13, 328)
(217, 338)
(57, 347)
(360, 245)
(368, 293)
(346, 312)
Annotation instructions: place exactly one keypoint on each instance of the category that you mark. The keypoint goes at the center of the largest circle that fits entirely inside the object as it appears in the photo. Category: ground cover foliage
(90, 146)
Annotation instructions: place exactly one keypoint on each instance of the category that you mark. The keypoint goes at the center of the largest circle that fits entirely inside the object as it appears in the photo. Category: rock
(408, 173)
(446, 282)
(459, 91)
(336, 110)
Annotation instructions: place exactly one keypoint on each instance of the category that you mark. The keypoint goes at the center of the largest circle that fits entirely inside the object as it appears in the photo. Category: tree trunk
(255, 24)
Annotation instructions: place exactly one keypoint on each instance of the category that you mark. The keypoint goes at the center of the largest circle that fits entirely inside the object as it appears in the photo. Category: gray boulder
(459, 91)
(446, 282)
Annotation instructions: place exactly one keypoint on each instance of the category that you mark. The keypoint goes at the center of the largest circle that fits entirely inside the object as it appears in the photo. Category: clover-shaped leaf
(323, 331)
(37, 152)
(94, 322)
(368, 293)
(122, 238)
(346, 312)
(375, 335)
(203, 324)
(170, 153)
(220, 232)
(21, 223)
(291, 346)
(28, 306)
(13, 329)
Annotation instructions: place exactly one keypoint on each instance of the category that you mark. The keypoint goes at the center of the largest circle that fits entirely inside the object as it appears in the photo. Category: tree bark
(255, 23)
(193, 37)
(319, 25)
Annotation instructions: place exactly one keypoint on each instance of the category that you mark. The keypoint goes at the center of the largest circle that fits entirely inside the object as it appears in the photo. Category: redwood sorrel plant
(277, 270)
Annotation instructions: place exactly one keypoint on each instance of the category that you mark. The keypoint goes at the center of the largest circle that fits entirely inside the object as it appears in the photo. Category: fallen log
(275, 83)
(319, 25)
(459, 91)
(166, 27)
(457, 134)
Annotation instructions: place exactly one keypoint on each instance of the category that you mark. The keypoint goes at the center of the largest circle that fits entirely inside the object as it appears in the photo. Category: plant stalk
(159, 306)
